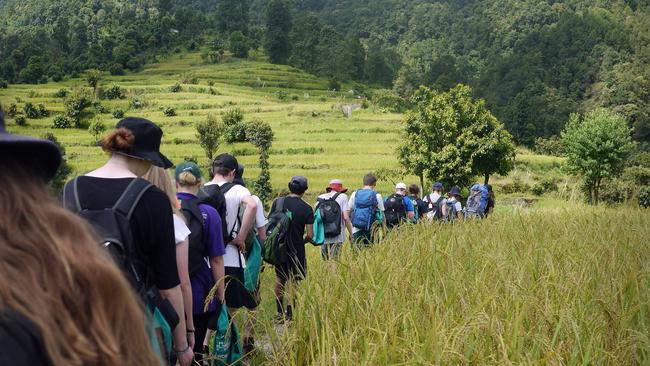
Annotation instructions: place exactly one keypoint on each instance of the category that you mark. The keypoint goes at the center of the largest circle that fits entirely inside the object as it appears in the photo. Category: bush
(387, 100)
(20, 120)
(118, 113)
(136, 103)
(30, 111)
(615, 191)
(116, 69)
(3, 84)
(644, 196)
(638, 175)
(641, 158)
(42, 111)
(169, 111)
(235, 128)
(334, 84)
(99, 108)
(232, 117)
(12, 111)
(553, 146)
(75, 104)
(281, 94)
(114, 92)
(516, 186)
(61, 121)
(175, 88)
(96, 129)
(546, 185)
(238, 44)
(61, 93)
(364, 104)
(208, 133)
(189, 78)
(295, 98)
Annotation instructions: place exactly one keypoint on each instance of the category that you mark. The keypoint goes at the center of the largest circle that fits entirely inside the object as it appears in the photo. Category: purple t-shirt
(202, 282)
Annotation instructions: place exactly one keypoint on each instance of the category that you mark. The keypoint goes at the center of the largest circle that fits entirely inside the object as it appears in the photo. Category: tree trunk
(590, 196)
(487, 178)
(422, 184)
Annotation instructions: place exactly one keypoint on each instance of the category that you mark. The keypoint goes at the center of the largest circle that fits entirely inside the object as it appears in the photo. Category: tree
(260, 134)
(209, 133)
(75, 104)
(92, 78)
(97, 129)
(450, 137)
(597, 144)
(278, 26)
(238, 44)
(232, 16)
(64, 170)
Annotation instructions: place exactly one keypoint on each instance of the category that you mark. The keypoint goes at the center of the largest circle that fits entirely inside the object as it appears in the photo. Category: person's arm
(247, 222)
(175, 297)
(348, 223)
(218, 272)
(309, 233)
(186, 287)
(261, 233)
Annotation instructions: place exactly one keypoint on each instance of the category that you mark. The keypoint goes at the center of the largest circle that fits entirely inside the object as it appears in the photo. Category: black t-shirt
(152, 225)
(422, 207)
(301, 215)
(20, 341)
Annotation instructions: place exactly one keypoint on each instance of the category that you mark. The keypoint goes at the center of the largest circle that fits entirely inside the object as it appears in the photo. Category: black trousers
(200, 329)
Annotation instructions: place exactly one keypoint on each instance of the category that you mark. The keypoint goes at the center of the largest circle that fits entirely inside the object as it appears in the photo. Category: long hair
(160, 178)
(56, 275)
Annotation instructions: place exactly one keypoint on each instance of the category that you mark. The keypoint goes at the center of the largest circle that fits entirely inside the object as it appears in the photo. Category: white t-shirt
(380, 205)
(234, 198)
(457, 204)
(342, 200)
(260, 218)
(181, 231)
(435, 196)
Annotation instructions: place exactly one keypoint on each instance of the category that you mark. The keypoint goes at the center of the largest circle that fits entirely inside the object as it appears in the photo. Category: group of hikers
(186, 253)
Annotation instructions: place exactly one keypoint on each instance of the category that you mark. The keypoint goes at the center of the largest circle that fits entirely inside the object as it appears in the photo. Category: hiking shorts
(237, 296)
(331, 250)
(294, 269)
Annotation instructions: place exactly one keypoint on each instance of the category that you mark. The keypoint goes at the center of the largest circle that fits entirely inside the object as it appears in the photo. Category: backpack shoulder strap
(71, 196)
(226, 187)
(279, 206)
(131, 196)
(334, 197)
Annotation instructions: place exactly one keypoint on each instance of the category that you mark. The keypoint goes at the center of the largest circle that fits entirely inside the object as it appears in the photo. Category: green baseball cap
(188, 166)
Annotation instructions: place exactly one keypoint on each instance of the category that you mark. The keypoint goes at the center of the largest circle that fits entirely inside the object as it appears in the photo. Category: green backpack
(253, 266)
(276, 245)
(224, 346)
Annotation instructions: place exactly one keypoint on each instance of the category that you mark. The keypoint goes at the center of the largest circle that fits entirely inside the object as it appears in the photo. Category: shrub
(638, 175)
(553, 146)
(136, 103)
(3, 84)
(615, 191)
(516, 186)
(61, 121)
(238, 44)
(213, 91)
(175, 88)
(189, 78)
(387, 100)
(30, 111)
(42, 111)
(118, 113)
(281, 94)
(20, 120)
(99, 108)
(64, 170)
(96, 129)
(294, 98)
(644, 196)
(232, 117)
(12, 110)
(114, 92)
(169, 111)
(235, 129)
(641, 158)
(333, 84)
(116, 69)
(546, 185)
(364, 104)
(208, 133)
(61, 93)
(75, 104)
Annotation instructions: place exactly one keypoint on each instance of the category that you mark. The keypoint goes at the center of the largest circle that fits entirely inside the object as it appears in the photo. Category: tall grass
(565, 286)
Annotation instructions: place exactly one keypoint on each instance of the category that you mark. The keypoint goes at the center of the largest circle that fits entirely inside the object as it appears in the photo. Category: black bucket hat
(41, 156)
(146, 145)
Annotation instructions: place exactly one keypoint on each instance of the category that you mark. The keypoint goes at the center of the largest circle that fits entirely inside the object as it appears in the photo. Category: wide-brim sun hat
(146, 145)
(41, 156)
(336, 185)
(401, 186)
(455, 191)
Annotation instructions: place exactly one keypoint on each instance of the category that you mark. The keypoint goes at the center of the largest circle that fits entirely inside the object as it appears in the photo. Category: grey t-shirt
(342, 200)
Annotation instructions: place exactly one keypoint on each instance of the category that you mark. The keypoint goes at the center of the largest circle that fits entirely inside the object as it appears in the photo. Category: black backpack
(436, 207)
(195, 222)
(395, 210)
(278, 239)
(330, 213)
(214, 196)
(114, 228)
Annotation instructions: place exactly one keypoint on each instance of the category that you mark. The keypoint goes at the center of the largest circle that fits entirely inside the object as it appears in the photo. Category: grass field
(558, 283)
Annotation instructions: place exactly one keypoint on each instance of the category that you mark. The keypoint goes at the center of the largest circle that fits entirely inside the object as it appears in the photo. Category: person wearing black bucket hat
(133, 147)
(301, 231)
(43, 246)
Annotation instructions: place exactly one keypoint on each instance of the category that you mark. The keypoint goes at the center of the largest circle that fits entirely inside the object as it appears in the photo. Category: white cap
(400, 185)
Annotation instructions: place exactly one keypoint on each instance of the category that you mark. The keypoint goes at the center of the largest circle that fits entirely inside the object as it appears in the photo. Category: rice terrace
(557, 274)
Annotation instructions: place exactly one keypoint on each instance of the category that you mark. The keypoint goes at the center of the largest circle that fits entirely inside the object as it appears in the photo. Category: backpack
(224, 347)
(114, 228)
(330, 213)
(395, 210)
(196, 251)
(276, 246)
(214, 196)
(416, 209)
(435, 208)
(477, 201)
(363, 212)
(451, 213)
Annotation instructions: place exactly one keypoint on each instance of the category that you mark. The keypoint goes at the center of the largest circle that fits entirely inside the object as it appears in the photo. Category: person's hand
(185, 358)
(190, 338)
(240, 243)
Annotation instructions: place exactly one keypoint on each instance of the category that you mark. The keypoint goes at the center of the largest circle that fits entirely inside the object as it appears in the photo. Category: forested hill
(535, 62)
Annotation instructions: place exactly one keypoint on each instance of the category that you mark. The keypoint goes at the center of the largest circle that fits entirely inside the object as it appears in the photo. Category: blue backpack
(363, 212)
(477, 201)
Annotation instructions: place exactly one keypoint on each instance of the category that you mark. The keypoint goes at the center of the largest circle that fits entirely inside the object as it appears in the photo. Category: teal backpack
(253, 266)
(224, 346)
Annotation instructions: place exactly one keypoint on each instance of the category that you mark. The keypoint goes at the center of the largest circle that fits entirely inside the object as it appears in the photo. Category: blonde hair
(188, 179)
(55, 274)
(161, 179)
